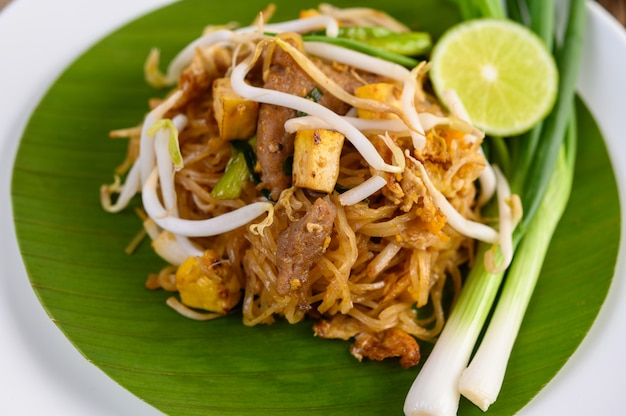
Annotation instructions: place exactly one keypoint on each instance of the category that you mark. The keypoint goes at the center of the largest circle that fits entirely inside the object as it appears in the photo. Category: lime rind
(502, 72)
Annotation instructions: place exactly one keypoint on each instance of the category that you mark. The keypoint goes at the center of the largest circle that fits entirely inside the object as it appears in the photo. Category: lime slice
(502, 72)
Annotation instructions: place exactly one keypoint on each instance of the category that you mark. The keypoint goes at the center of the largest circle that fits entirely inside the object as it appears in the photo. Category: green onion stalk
(482, 380)
(435, 390)
(541, 173)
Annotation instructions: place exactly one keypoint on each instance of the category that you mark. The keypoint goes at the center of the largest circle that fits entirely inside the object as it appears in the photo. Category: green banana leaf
(74, 253)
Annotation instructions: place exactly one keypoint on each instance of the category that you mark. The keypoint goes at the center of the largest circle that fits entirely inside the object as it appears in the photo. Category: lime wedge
(502, 72)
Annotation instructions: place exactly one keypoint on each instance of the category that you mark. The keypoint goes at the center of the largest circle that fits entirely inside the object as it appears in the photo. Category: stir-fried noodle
(356, 204)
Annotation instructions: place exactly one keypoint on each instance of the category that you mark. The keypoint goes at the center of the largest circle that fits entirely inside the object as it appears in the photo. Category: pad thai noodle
(289, 175)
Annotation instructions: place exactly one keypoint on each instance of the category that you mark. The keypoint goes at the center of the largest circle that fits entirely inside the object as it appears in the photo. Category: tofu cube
(236, 117)
(316, 159)
(384, 92)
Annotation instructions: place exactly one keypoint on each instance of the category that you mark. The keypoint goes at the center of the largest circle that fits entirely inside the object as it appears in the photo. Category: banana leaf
(94, 292)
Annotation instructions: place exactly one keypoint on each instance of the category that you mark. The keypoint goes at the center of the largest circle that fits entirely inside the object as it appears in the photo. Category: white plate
(42, 373)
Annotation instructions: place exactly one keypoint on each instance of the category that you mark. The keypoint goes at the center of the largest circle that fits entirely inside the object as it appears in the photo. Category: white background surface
(40, 371)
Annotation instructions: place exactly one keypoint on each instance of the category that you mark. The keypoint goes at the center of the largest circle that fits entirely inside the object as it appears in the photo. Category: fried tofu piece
(381, 91)
(316, 159)
(236, 117)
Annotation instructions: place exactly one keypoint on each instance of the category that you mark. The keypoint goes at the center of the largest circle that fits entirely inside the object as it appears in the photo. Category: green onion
(474, 9)
(247, 149)
(542, 20)
(544, 160)
(491, 8)
(435, 389)
(314, 95)
(482, 379)
(515, 11)
(236, 174)
(542, 13)
(542, 174)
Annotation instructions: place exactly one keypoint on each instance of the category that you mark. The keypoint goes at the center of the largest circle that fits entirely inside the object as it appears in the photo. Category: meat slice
(301, 244)
(274, 145)
(391, 342)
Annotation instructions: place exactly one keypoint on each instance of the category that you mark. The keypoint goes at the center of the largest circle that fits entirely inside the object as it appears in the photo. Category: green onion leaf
(236, 172)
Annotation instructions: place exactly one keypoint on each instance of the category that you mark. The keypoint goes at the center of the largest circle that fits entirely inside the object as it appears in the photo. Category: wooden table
(617, 8)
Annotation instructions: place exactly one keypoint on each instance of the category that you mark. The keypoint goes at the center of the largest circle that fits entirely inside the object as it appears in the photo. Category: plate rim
(621, 245)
